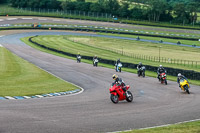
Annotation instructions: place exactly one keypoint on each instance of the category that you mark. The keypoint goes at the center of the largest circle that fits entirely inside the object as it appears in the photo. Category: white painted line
(26, 97)
(41, 19)
(56, 20)
(11, 18)
(27, 18)
(39, 96)
(8, 97)
(49, 95)
(57, 94)
(1, 19)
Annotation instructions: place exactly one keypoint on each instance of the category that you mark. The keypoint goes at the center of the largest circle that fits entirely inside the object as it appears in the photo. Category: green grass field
(60, 43)
(21, 78)
(190, 127)
(117, 48)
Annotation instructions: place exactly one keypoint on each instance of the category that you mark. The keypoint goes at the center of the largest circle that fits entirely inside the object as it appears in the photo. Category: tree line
(179, 11)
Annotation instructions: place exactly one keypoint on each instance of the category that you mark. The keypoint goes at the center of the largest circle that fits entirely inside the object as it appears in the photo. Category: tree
(192, 8)
(156, 8)
(137, 13)
(82, 6)
(68, 5)
(111, 6)
(180, 12)
(124, 10)
(80, 0)
(96, 7)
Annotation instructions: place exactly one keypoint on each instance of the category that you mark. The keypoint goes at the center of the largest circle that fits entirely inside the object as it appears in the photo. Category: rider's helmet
(114, 76)
(161, 66)
(140, 63)
(179, 74)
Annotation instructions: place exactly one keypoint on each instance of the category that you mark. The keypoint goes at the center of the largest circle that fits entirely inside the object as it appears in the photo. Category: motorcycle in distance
(141, 71)
(118, 67)
(117, 94)
(78, 59)
(95, 62)
(184, 85)
(163, 78)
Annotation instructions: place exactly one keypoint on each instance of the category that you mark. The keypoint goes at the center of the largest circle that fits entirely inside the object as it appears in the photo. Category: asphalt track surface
(92, 111)
(17, 20)
(25, 19)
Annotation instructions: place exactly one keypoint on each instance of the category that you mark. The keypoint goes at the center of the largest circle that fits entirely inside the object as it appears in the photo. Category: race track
(92, 111)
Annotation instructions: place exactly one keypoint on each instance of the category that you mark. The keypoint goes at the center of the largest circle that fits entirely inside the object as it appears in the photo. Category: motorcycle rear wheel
(129, 96)
(114, 98)
(187, 90)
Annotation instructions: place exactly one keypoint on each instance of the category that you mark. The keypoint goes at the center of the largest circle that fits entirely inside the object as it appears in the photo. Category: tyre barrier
(190, 74)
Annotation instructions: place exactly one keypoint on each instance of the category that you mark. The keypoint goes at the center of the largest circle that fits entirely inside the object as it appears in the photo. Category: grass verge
(189, 127)
(21, 78)
(127, 50)
(148, 73)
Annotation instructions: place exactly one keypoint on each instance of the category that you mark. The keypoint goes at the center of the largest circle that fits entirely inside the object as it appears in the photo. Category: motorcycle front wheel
(129, 96)
(165, 81)
(114, 98)
(143, 74)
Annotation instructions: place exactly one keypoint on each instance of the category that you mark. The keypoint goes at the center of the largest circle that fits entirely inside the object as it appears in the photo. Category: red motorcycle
(117, 93)
(163, 78)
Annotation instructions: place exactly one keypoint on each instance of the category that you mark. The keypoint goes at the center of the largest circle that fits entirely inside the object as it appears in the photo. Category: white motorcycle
(95, 62)
(141, 71)
(118, 67)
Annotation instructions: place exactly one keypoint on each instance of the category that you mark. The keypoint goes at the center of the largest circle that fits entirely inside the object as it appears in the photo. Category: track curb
(77, 91)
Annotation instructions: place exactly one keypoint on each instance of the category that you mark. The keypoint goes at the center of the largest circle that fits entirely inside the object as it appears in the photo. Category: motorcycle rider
(119, 81)
(95, 57)
(179, 77)
(139, 66)
(78, 57)
(118, 61)
(116, 65)
(160, 70)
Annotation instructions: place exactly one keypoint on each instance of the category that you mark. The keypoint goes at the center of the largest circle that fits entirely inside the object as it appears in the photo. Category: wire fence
(57, 12)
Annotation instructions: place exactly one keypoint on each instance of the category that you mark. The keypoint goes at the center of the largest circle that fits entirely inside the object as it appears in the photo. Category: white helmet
(160, 65)
(179, 74)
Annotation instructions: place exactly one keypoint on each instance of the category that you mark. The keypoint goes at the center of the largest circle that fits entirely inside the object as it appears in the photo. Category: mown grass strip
(21, 78)
(113, 49)
(190, 127)
(148, 73)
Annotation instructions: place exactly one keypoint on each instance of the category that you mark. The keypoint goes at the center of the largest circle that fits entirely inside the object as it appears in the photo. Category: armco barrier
(190, 74)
